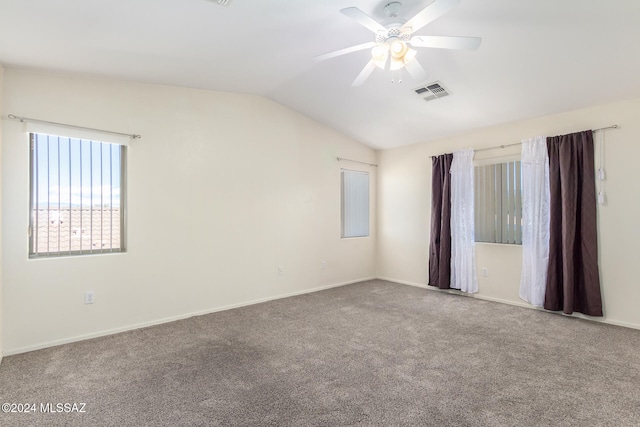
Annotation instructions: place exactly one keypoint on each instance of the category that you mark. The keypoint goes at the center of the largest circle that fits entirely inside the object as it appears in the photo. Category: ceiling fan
(392, 39)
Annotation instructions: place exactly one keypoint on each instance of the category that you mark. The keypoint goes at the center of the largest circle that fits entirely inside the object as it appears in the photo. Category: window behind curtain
(76, 196)
(355, 203)
(498, 203)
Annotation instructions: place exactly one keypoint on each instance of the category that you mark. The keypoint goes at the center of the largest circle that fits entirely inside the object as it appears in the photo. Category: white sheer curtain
(463, 250)
(535, 219)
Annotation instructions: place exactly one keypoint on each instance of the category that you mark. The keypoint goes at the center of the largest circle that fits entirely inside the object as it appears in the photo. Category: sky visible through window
(74, 173)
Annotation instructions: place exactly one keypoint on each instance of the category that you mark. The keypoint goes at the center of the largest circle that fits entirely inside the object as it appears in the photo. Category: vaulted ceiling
(536, 58)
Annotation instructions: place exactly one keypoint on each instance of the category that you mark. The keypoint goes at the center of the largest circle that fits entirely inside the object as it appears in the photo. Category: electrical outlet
(89, 297)
(280, 271)
(323, 265)
(485, 272)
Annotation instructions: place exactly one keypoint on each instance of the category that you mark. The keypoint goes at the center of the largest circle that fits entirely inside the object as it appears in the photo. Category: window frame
(33, 188)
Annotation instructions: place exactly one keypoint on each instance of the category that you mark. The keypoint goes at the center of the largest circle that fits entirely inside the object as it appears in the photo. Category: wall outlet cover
(89, 297)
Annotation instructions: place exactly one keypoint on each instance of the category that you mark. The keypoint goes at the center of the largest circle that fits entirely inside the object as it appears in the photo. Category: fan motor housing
(393, 32)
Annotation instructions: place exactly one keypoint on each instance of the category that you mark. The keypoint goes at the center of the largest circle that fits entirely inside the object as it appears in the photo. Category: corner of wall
(376, 249)
(1, 311)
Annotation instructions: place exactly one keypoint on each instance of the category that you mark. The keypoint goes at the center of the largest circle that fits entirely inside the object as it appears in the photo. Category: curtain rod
(27, 119)
(518, 143)
(356, 161)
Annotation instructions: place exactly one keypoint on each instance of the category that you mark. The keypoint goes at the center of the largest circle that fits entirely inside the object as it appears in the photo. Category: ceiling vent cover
(223, 2)
(432, 91)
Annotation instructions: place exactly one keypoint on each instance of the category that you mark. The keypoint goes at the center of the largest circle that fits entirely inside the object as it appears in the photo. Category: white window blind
(498, 203)
(355, 203)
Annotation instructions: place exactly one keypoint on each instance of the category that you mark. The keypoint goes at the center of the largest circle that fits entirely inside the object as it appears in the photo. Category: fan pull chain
(399, 76)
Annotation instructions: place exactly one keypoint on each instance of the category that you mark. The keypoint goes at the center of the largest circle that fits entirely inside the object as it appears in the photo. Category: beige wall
(225, 188)
(222, 190)
(1, 269)
(404, 185)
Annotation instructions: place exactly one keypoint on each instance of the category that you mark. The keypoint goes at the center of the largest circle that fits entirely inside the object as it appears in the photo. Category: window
(498, 203)
(355, 203)
(76, 196)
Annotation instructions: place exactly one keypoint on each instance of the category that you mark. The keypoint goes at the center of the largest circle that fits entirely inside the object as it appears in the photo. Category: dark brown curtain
(573, 282)
(440, 243)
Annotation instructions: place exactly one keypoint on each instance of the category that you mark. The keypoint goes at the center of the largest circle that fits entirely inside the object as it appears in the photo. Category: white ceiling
(536, 58)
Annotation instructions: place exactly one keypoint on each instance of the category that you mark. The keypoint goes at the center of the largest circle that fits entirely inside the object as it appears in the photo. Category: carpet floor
(371, 353)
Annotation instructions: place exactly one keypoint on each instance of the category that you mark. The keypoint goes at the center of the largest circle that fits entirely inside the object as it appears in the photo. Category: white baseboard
(291, 294)
(514, 303)
(173, 318)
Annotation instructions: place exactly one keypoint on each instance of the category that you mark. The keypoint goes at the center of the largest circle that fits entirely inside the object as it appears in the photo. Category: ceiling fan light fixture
(379, 54)
(409, 56)
(398, 49)
(396, 64)
(393, 38)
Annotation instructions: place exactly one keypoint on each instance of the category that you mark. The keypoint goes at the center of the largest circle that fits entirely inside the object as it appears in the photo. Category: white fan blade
(344, 51)
(446, 42)
(364, 74)
(430, 13)
(416, 71)
(363, 19)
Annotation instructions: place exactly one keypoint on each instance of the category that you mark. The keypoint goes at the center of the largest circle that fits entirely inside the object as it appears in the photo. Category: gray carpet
(373, 353)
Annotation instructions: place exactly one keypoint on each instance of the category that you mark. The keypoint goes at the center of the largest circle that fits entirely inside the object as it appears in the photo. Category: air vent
(223, 2)
(432, 91)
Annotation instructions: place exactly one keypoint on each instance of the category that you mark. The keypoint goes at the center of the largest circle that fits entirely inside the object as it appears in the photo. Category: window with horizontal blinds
(76, 196)
(498, 203)
(355, 203)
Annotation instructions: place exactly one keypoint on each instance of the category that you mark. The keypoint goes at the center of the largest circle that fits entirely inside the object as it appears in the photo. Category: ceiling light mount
(392, 9)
